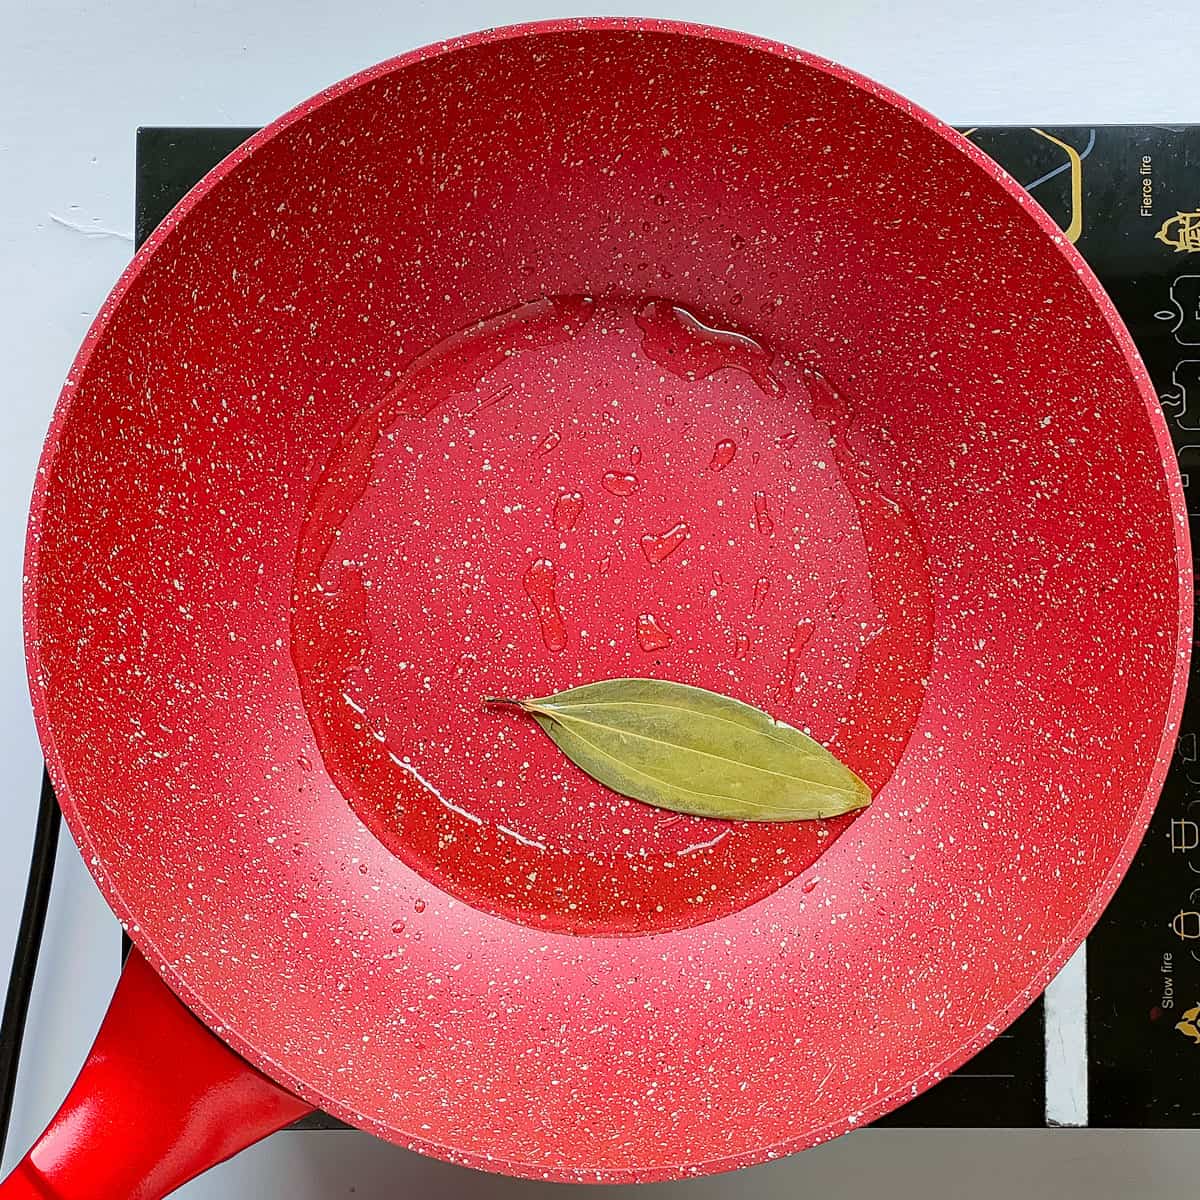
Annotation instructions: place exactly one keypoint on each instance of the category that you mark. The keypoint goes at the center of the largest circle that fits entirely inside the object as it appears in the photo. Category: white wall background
(77, 77)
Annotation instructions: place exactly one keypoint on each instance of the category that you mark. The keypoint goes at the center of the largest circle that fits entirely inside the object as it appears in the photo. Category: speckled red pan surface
(572, 351)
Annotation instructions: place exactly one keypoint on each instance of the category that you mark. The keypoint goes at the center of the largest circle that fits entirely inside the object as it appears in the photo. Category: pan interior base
(578, 489)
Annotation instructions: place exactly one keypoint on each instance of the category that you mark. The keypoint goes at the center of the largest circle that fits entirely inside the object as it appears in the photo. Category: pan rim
(990, 1026)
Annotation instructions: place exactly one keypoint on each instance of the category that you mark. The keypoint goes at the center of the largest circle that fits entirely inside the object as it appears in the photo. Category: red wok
(544, 356)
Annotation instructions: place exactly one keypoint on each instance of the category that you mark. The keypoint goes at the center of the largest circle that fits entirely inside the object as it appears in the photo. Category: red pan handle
(158, 1100)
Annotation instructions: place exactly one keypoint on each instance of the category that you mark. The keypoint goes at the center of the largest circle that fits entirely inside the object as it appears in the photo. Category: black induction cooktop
(1129, 198)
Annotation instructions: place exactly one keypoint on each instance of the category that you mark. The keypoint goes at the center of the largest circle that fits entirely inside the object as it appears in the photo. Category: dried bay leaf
(693, 751)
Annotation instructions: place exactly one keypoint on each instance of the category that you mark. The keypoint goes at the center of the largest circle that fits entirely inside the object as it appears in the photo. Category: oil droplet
(762, 516)
(619, 483)
(651, 635)
(762, 586)
(808, 885)
(718, 578)
(679, 342)
(827, 402)
(604, 564)
(567, 509)
(656, 546)
(488, 400)
(723, 455)
(548, 443)
(743, 646)
(305, 762)
(398, 926)
(635, 455)
(539, 581)
(791, 659)
(419, 905)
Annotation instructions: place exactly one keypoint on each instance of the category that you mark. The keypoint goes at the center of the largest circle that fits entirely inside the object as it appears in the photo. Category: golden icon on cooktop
(1187, 1024)
(1181, 232)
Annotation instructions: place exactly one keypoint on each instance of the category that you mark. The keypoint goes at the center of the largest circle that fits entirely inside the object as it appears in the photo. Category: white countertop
(75, 81)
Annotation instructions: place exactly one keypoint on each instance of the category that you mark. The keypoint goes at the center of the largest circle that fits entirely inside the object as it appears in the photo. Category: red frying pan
(544, 356)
